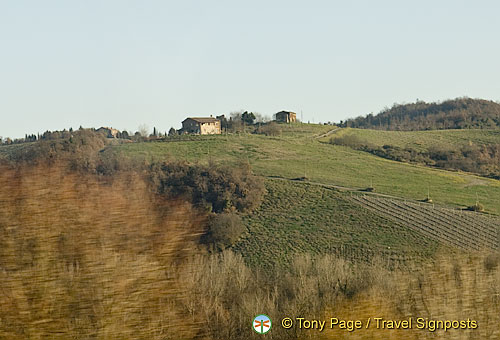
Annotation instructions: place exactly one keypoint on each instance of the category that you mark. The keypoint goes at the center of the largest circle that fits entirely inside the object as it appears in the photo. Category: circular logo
(262, 324)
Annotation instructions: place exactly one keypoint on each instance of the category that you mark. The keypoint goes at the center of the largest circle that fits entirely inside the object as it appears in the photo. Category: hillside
(299, 218)
(462, 229)
(117, 263)
(421, 140)
(460, 113)
(7, 150)
(296, 153)
(319, 214)
(303, 218)
(471, 150)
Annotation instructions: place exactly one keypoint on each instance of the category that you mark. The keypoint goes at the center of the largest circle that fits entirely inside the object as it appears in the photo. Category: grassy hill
(320, 213)
(303, 218)
(300, 218)
(422, 140)
(462, 229)
(298, 153)
(473, 151)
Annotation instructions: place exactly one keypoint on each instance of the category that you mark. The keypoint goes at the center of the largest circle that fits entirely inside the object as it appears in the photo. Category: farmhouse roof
(106, 128)
(111, 131)
(202, 119)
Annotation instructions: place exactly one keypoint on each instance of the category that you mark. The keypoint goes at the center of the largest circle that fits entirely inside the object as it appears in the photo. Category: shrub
(220, 188)
(270, 129)
(349, 140)
(224, 230)
(80, 149)
(476, 207)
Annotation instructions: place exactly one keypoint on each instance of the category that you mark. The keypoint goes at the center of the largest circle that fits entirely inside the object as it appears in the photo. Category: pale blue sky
(125, 63)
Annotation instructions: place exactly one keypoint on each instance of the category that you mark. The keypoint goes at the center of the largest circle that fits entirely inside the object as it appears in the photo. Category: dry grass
(466, 287)
(82, 258)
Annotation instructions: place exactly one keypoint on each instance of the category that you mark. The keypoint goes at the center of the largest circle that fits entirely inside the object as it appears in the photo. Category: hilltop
(459, 113)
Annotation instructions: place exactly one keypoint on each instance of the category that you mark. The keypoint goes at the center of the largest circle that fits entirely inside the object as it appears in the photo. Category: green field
(422, 140)
(297, 153)
(299, 218)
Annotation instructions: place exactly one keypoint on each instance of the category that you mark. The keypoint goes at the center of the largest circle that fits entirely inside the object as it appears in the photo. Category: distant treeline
(460, 113)
(236, 122)
(480, 159)
(67, 134)
(80, 148)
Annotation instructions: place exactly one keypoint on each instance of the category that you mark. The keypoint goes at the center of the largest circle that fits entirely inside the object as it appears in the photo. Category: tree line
(459, 113)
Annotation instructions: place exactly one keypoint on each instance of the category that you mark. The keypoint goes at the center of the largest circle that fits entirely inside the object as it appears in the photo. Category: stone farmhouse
(202, 126)
(286, 117)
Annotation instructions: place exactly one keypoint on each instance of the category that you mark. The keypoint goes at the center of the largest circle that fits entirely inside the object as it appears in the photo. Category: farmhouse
(202, 126)
(286, 117)
(109, 132)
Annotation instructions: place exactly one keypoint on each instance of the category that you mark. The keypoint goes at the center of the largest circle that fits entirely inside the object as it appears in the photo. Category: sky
(123, 63)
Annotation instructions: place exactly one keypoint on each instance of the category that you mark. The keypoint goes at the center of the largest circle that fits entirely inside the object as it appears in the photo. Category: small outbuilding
(286, 117)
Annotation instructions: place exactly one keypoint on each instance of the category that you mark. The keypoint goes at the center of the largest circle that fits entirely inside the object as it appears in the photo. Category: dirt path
(327, 134)
(356, 190)
(338, 187)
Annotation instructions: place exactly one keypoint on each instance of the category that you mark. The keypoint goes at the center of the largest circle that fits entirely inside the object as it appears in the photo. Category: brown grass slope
(87, 259)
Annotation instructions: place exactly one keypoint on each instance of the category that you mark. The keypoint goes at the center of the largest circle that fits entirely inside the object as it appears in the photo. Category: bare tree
(143, 129)
(236, 115)
(260, 118)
